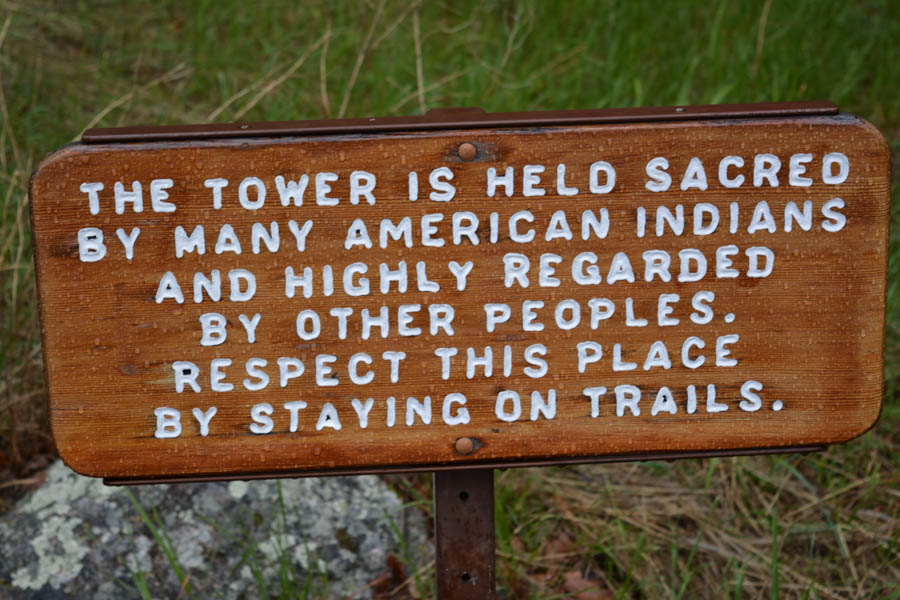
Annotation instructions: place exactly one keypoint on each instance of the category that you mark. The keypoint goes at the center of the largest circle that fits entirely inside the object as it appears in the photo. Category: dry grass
(722, 528)
(25, 442)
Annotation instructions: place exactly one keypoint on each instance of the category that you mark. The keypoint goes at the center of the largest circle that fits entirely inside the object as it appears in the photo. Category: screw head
(467, 151)
(465, 445)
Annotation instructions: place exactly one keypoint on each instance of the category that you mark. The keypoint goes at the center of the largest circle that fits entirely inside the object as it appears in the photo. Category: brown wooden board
(785, 322)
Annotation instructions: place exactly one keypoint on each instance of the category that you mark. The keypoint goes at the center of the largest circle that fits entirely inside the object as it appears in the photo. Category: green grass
(288, 583)
(821, 526)
(154, 524)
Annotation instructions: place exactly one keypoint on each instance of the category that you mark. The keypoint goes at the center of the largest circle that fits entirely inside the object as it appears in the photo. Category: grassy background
(821, 526)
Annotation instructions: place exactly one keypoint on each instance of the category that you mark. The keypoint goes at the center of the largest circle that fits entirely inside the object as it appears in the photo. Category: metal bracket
(457, 118)
(464, 466)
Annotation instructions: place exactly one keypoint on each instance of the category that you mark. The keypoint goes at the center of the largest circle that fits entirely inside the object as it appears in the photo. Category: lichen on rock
(75, 537)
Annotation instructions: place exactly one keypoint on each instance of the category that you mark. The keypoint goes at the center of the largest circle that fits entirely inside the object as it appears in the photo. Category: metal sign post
(464, 534)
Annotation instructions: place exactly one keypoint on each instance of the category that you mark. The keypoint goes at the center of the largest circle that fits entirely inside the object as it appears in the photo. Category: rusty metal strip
(550, 462)
(464, 534)
(456, 118)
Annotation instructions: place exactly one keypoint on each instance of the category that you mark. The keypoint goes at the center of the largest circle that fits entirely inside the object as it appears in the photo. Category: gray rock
(328, 537)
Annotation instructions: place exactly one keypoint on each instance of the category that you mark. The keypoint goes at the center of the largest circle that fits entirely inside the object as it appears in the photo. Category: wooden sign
(258, 300)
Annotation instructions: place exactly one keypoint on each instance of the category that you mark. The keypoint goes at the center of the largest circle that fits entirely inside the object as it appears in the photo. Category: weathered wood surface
(810, 332)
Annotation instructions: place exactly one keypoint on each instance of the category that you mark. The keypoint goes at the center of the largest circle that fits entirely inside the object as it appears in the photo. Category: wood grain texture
(811, 332)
